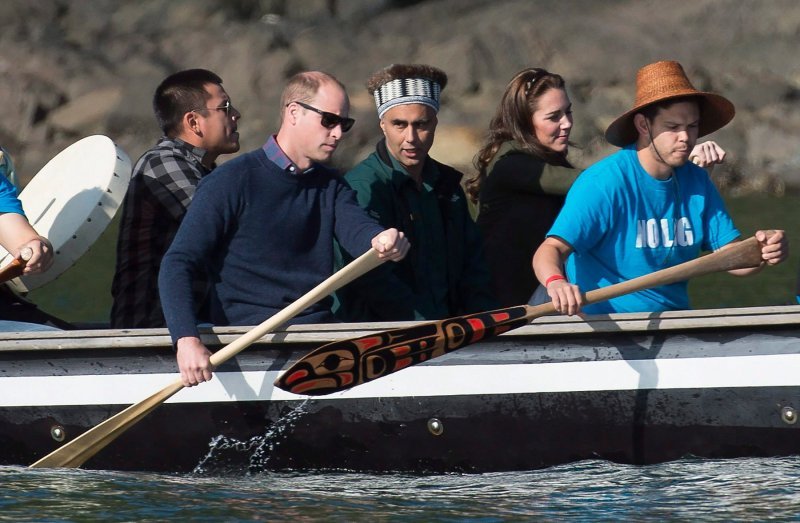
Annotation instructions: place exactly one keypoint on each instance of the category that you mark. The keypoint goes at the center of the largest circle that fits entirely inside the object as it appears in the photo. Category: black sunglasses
(329, 120)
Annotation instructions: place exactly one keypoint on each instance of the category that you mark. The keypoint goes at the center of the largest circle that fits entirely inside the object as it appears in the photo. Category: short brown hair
(302, 87)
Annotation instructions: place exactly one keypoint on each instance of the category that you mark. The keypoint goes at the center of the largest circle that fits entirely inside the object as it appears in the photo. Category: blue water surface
(687, 490)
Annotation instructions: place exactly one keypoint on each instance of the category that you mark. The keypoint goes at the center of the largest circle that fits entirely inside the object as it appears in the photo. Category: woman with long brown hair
(523, 177)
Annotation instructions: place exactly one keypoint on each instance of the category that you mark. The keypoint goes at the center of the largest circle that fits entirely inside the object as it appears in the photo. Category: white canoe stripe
(780, 370)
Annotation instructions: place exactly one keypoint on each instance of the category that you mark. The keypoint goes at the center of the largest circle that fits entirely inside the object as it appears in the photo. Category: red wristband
(554, 277)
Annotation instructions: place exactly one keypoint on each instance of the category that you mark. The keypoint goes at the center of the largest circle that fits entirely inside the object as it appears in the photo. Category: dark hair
(651, 110)
(513, 120)
(180, 93)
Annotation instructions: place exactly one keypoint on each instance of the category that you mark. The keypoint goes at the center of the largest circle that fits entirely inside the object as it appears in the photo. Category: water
(686, 490)
(257, 449)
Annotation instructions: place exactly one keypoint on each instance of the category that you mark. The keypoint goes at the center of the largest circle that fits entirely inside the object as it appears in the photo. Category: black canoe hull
(515, 432)
(518, 402)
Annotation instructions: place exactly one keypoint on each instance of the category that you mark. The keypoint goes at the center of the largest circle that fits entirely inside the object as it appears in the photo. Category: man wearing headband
(262, 226)
(403, 187)
(645, 207)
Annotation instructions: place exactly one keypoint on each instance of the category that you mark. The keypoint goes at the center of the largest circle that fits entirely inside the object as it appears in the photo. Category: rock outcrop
(74, 68)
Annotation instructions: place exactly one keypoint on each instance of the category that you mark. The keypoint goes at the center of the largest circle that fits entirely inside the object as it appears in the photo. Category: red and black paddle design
(344, 364)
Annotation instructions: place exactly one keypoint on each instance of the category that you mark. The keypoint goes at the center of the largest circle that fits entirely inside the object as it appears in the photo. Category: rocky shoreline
(76, 68)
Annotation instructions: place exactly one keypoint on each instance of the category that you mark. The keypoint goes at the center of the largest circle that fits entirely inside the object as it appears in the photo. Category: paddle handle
(361, 265)
(12, 270)
(739, 255)
(16, 267)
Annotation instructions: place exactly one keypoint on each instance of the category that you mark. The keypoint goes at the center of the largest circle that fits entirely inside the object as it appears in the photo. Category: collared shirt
(161, 188)
(276, 155)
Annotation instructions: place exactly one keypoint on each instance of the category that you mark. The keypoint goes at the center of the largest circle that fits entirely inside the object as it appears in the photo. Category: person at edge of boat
(524, 173)
(645, 207)
(199, 123)
(522, 176)
(19, 238)
(262, 225)
(402, 186)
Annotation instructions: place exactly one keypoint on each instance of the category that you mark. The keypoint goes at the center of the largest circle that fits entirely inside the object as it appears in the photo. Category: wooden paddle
(76, 452)
(15, 268)
(344, 364)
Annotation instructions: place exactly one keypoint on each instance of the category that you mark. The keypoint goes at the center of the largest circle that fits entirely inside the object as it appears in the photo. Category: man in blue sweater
(262, 226)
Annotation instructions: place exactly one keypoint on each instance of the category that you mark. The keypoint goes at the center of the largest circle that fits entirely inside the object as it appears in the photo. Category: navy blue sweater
(264, 237)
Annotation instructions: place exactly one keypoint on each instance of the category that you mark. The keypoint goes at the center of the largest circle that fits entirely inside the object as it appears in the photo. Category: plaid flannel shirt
(162, 186)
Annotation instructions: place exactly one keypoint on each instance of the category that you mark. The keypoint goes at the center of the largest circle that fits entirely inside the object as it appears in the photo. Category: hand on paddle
(774, 246)
(20, 239)
(37, 255)
(548, 264)
(774, 250)
(193, 361)
(391, 245)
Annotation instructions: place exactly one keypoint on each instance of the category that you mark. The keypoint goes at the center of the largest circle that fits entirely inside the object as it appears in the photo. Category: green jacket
(445, 273)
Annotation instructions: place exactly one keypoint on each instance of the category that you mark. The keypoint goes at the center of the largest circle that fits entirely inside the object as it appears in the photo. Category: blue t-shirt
(623, 223)
(8, 197)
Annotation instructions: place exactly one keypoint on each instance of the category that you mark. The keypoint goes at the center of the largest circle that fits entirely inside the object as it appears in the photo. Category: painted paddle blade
(344, 364)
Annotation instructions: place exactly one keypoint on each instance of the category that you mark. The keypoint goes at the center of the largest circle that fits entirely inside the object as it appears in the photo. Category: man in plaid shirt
(199, 124)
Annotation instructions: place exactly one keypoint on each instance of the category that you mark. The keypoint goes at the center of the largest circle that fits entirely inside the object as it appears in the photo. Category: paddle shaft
(76, 452)
(739, 255)
(12, 270)
(16, 266)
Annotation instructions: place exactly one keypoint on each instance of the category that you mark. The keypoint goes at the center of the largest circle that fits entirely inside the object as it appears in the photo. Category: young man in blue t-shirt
(645, 207)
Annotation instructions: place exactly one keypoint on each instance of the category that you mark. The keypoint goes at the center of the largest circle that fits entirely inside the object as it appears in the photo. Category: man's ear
(641, 124)
(291, 113)
(191, 123)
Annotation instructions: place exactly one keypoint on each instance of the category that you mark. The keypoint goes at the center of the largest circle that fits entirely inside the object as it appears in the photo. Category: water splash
(258, 448)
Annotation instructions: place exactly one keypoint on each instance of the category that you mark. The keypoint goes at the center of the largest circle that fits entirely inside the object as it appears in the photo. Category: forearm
(548, 261)
(548, 264)
(15, 231)
(175, 292)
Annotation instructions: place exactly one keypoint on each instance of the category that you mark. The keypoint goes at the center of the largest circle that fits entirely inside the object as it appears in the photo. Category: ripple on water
(687, 490)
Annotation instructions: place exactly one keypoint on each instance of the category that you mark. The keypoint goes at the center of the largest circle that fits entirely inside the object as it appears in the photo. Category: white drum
(71, 201)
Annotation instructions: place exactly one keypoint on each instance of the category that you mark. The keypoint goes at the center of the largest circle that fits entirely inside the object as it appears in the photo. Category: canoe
(631, 388)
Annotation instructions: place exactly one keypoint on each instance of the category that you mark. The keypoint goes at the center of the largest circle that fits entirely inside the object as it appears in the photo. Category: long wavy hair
(514, 121)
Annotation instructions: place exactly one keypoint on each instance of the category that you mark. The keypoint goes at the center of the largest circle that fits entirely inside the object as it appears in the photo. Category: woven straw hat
(663, 81)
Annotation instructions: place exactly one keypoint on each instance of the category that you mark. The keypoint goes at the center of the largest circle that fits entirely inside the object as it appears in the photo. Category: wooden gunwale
(754, 317)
